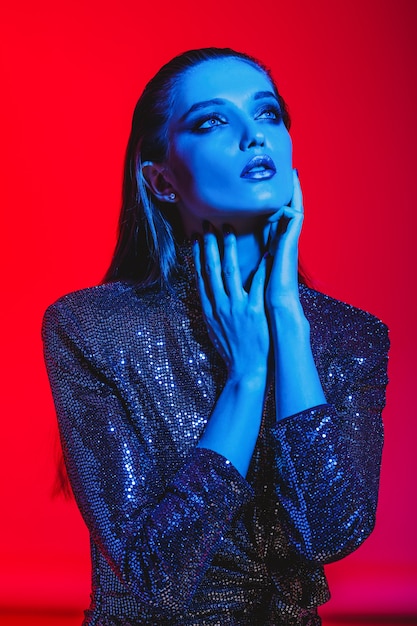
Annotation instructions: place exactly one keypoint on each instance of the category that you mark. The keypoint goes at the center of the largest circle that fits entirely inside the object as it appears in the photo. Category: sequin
(178, 537)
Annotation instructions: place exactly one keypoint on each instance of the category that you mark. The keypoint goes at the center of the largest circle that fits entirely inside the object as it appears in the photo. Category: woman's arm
(159, 535)
(297, 384)
(327, 473)
(327, 458)
(238, 328)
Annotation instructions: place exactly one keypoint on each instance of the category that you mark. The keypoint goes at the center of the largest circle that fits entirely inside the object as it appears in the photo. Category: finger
(231, 271)
(293, 222)
(284, 269)
(291, 218)
(273, 219)
(201, 284)
(212, 268)
(280, 220)
(286, 229)
(297, 196)
(257, 288)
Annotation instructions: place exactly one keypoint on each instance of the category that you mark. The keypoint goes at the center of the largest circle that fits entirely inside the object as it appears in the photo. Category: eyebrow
(265, 94)
(259, 95)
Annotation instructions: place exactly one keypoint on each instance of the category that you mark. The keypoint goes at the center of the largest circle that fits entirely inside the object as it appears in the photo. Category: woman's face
(230, 155)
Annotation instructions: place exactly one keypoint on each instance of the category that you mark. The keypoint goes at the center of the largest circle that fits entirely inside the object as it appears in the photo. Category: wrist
(249, 380)
(289, 315)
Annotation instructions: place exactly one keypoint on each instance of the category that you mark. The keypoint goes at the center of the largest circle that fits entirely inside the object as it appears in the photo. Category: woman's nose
(252, 136)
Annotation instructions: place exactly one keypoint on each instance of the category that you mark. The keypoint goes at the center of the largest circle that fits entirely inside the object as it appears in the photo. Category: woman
(222, 436)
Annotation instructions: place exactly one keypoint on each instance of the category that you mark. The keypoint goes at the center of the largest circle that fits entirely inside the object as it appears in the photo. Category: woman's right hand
(235, 318)
(237, 325)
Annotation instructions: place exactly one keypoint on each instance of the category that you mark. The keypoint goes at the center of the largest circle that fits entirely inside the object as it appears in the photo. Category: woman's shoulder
(102, 304)
(343, 321)
(108, 295)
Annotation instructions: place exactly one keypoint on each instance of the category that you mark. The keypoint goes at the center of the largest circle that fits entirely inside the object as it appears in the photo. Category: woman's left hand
(284, 234)
(298, 386)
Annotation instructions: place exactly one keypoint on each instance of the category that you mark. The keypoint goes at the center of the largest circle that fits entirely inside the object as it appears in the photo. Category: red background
(71, 73)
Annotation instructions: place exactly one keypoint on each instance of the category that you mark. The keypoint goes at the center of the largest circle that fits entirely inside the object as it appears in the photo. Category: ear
(155, 178)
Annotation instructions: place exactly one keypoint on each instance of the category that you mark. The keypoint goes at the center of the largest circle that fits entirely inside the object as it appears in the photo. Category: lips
(259, 168)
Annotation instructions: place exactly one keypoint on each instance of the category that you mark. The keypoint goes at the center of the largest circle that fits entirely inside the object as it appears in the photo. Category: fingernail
(206, 226)
(227, 229)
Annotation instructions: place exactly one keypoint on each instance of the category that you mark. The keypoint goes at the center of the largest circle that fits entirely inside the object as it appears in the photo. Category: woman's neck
(252, 242)
(251, 245)
(250, 248)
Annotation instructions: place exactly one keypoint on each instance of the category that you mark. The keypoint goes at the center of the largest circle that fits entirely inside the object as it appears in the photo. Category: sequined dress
(178, 536)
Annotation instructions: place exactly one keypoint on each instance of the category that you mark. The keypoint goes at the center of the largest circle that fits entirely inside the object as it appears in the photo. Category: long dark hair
(146, 249)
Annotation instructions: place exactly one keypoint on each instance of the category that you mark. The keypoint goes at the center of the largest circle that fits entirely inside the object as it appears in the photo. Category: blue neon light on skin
(224, 117)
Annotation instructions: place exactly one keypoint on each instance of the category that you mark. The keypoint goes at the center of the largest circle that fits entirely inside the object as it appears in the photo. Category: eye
(213, 121)
(209, 121)
(270, 113)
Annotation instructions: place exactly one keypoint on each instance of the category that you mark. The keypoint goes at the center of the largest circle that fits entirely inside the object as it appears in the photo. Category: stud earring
(172, 196)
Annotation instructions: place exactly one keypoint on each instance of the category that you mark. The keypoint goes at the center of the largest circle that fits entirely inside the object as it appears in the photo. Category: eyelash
(274, 109)
(219, 118)
(213, 116)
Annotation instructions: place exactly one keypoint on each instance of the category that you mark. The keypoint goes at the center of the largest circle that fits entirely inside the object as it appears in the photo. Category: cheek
(286, 143)
(180, 165)
(196, 173)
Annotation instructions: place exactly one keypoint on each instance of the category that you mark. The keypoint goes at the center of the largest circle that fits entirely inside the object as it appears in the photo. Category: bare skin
(226, 122)
(244, 323)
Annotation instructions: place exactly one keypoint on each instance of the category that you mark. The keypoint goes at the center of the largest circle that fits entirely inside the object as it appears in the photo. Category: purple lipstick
(259, 168)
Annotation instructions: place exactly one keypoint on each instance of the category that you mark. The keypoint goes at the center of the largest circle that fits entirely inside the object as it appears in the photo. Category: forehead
(231, 79)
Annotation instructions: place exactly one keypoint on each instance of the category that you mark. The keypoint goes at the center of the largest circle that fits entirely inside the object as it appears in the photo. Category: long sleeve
(158, 535)
(177, 534)
(327, 459)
